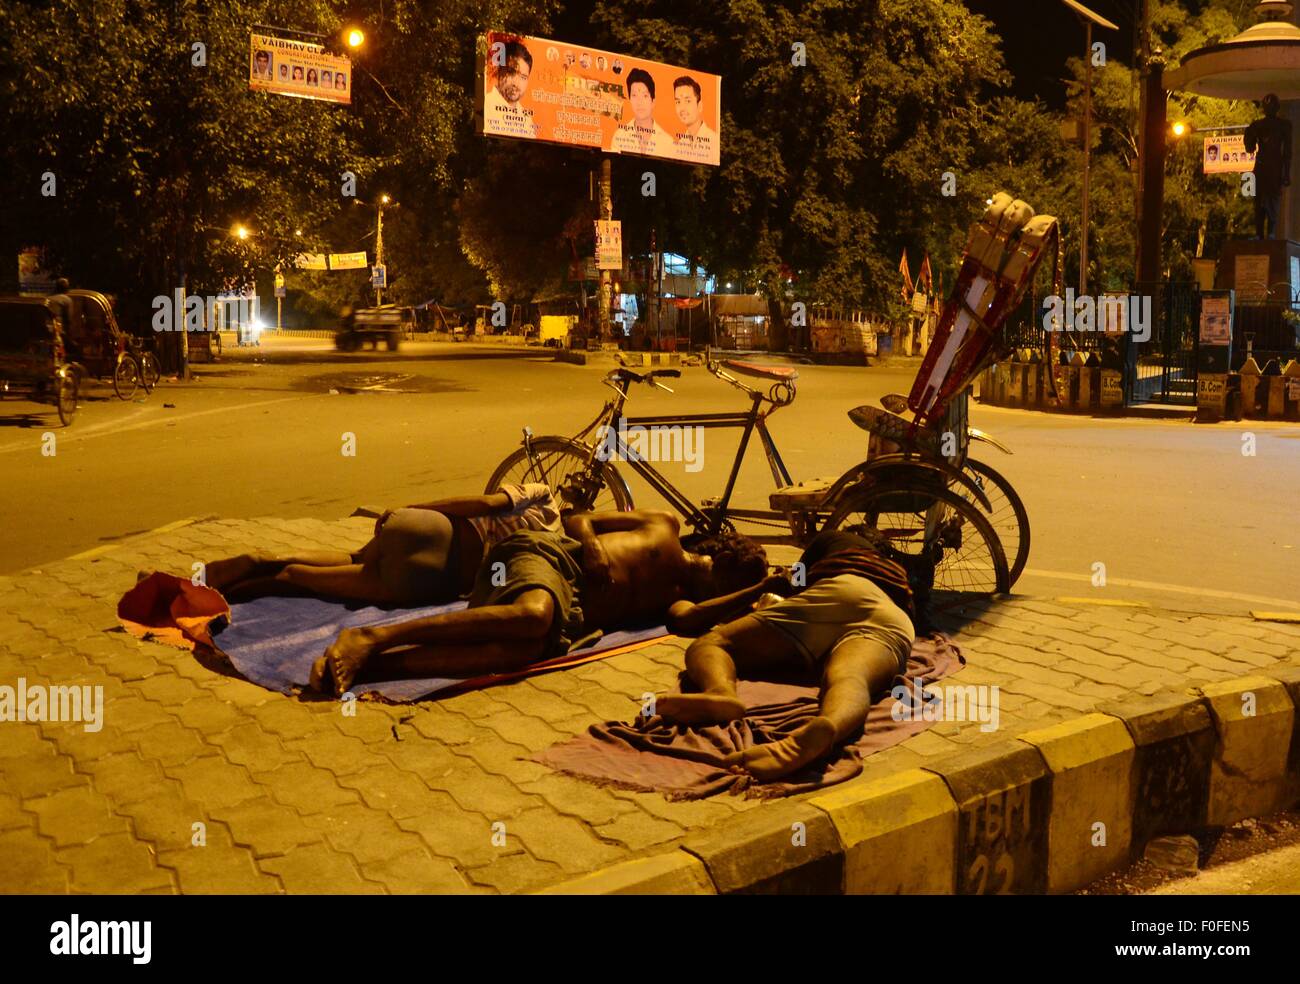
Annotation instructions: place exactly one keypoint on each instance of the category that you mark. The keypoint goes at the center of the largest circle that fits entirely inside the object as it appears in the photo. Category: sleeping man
(852, 625)
(538, 591)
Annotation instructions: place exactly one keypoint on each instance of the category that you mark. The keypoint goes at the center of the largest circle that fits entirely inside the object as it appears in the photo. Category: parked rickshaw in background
(99, 347)
(32, 356)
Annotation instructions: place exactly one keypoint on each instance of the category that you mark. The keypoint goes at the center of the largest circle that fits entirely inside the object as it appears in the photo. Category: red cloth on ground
(171, 609)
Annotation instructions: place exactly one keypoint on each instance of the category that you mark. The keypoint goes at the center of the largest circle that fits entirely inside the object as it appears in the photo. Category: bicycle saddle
(893, 428)
(778, 373)
(894, 402)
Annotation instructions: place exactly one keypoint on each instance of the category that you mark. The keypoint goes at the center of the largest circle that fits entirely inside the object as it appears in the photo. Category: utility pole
(379, 245)
(606, 281)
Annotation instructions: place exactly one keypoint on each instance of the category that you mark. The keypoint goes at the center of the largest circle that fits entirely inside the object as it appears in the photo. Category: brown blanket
(683, 762)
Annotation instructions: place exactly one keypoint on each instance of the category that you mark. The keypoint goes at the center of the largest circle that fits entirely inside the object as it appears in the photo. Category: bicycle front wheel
(126, 376)
(1008, 516)
(933, 527)
(562, 464)
(150, 371)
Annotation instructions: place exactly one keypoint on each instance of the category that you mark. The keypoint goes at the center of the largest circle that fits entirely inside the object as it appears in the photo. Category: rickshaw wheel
(66, 400)
(150, 371)
(126, 376)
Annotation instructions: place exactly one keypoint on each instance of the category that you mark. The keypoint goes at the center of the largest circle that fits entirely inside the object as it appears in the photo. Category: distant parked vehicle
(388, 323)
(99, 346)
(32, 356)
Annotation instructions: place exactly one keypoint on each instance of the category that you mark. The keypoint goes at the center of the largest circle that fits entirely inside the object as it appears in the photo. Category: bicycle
(908, 497)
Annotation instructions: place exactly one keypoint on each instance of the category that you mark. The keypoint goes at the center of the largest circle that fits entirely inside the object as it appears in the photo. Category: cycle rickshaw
(101, 348)
(957, 524)
(32, 356)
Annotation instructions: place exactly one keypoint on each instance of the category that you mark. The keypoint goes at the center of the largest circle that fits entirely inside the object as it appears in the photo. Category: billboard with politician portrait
(537, 89)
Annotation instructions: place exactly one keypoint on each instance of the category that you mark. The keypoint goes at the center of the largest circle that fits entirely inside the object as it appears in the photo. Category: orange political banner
(298, 68)
(537, 89)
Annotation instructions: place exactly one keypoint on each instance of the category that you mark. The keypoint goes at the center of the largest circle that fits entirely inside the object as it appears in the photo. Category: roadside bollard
(1211, 396)
(1002, 383)
(1273, 399)
(1291, 380)
(1075, 370)
(1090, 383)
(1249, 388)
(1034, 385)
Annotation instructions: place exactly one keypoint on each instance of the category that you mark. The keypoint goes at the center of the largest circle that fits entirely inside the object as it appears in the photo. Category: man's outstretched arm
(691, 618)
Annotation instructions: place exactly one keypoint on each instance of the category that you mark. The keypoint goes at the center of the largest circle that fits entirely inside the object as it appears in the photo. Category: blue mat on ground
(274, 641)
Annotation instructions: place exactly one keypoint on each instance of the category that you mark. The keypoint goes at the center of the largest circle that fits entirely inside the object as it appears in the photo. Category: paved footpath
(202, 782)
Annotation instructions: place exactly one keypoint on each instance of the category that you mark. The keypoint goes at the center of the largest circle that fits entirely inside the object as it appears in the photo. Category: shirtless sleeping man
(852, 625)
(537, 592)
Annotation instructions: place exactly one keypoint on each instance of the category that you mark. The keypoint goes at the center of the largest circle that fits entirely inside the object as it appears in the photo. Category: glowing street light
(1180, 129)
(355, 38)
(241, 232)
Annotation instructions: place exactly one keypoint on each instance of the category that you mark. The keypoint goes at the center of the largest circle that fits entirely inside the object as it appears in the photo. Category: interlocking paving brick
(266, 828)
(167, 690)
(305, 788)
(335, 752)
(170, 743)
(39, 773)
(75, 816)
(517, 873)
(445, 726)
(414, 872)
(30, 865)
(208, 716)
(578, 799)
(119, 864)
(518, 729)
(318, 869)
(290, 719)
(562, 840)
(387, 788)
(248, 745)
(636, 831)
(124, 777)
(12, 816)
(134, 714)
(165, 818)
(218, 868)
(213, 782)
(481, 792)
(368, 835)
(468, 838)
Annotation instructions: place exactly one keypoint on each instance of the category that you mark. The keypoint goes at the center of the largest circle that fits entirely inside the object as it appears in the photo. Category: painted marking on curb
(1161, 586)
(105, 548)
(1070, 600)
(1276, 616)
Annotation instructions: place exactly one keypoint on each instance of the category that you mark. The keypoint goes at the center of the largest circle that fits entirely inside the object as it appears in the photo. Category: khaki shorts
(848, 606)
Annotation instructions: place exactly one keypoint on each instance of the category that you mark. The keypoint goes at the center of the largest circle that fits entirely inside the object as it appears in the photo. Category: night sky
(1039, 35)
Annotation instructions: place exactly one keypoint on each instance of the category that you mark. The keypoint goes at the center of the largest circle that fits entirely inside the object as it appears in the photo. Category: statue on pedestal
(1269, 139)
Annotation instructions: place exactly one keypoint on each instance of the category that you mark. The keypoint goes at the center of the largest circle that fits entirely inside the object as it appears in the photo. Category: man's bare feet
(780, 758)
(342, 662)
(700, 708)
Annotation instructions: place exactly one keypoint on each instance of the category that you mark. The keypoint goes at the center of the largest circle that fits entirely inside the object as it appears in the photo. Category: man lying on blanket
(852, 625)
(538, 591)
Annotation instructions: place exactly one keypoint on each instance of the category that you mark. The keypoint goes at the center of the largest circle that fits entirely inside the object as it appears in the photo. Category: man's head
(723, 564)
(641, 94)
(686, 99)
(512, 76)
(1212, 152)
(61, 285)
(1271, 105)
(284, 71)
(263, 62)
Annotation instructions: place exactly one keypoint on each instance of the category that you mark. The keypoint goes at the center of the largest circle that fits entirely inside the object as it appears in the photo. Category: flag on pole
(926, 276)
(908, 288)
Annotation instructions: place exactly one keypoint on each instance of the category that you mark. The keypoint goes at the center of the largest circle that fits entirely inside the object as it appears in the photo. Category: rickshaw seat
(777, 373)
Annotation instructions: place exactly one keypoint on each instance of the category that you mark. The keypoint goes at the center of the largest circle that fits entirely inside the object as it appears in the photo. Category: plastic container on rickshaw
(33, 359)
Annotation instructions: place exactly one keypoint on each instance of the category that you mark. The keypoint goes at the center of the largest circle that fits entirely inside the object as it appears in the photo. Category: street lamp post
(1089, 18)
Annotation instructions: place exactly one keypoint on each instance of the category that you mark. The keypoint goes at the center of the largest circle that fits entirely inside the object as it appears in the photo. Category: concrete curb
(1048, 811)
(578, 357)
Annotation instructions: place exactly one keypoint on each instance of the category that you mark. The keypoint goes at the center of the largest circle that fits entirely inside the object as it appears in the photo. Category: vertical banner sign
(538, 89)
(298, 68)
(609, 245)
(1222, 155)
(1213, 354)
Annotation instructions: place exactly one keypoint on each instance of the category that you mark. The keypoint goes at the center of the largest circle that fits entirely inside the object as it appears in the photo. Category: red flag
(908, 289)
(926, 276)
